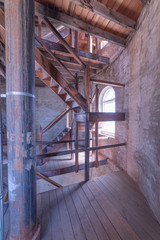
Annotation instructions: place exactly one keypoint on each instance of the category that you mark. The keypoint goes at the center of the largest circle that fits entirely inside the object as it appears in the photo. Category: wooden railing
(50, 125)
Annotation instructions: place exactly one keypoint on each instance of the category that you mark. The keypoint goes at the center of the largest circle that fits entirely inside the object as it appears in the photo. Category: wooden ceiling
(131, 9)
(110, 20)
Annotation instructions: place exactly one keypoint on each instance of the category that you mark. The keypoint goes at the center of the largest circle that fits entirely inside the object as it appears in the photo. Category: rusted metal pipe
(1, 175)
(20, 84)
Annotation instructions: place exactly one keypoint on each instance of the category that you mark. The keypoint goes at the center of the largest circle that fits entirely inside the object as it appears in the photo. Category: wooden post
(77, 82)
(72, 132)
(87, 135)
(87, 85)
(77, 41)
(40, 139)
(96, 126)
(87, 146)
(20, 87)
(67, 124)
(76, 146)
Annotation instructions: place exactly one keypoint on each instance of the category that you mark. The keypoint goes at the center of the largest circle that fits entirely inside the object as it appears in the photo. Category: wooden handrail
(59, 142)
(46, 155)
(57, 119)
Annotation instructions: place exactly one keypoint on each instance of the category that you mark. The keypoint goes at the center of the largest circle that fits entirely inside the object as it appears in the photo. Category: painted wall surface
(138, 67)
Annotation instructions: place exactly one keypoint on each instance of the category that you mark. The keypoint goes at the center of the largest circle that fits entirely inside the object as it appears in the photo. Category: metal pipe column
(20, 67)
(1, 175)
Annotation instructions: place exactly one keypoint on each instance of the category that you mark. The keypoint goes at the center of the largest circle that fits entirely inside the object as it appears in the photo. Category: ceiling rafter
(77, 24)
(100, 9)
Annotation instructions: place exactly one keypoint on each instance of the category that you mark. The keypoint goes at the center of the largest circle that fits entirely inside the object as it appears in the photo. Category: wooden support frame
(55, 74)
(101, 117)
(62, 40)
(54, 56)
(60, 50)
(77, 24)
(76, 147)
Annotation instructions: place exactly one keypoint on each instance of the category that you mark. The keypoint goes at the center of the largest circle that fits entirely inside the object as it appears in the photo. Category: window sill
(107, 134)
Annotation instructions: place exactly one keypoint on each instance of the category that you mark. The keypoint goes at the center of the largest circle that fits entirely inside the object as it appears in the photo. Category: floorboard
(109, 207)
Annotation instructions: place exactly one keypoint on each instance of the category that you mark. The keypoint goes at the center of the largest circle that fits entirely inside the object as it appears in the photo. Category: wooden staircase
(49, 75)
(65, 134)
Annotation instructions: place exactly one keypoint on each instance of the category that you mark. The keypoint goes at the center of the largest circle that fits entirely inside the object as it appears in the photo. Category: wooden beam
(145, 1)
(47, 155)
(50, 37)
(60, 49)
(102, 10)
(77, 24)
(48, 180)
(62, 40)
(87, 85)
(76, 67)
(102, 117)
(113, 84)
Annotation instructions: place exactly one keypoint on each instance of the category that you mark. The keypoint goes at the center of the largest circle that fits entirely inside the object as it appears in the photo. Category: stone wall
(138, 67)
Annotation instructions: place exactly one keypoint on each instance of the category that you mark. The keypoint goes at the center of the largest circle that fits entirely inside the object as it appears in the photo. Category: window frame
(101, 109)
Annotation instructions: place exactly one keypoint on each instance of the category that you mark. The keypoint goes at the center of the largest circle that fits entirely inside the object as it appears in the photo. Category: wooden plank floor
(109, 207)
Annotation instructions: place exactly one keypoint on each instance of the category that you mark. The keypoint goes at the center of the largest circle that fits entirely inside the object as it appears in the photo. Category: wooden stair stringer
(43, 64)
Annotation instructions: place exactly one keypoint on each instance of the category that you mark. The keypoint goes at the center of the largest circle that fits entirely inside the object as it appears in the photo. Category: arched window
(107, 104)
